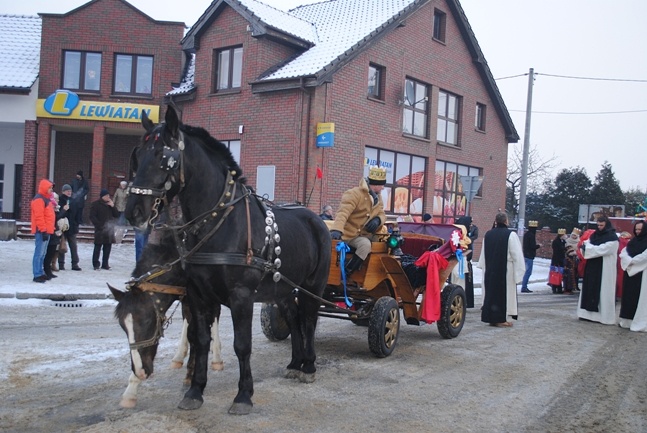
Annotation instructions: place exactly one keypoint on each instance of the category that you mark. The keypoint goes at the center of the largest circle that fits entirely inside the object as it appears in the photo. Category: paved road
(64, 369)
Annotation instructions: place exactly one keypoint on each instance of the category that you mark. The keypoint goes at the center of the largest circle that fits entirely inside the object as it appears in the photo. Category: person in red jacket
(42, 226)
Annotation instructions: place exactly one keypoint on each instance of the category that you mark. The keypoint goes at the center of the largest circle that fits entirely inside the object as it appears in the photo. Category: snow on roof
(187, 83)
(341, 24)
(19, 51)
(281, 20)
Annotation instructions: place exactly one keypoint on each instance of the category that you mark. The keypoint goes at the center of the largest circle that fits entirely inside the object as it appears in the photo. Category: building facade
(306, 100)
(96, 79)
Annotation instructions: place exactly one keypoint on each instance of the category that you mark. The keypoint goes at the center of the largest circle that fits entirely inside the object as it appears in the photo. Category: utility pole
(526, 152)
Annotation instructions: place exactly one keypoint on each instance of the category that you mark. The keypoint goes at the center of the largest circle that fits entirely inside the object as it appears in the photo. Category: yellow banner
(64, 104)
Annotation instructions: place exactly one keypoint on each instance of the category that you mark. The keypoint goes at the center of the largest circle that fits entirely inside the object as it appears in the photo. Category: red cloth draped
(434, 262)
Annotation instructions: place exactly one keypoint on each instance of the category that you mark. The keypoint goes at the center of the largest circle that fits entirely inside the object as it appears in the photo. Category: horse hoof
(240, 409)
(189, 404)
(292, 374)
(176, 364)
(306, 377)
(218, 366)
(128, 403)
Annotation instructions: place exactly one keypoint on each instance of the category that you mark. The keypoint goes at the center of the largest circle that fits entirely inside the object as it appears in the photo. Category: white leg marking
(216, 360)
(129, 397)
(182, 348)
(138, 365)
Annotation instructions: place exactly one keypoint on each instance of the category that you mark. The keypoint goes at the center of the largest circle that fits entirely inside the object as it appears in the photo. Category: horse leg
(308, 316)
(129, 397)
(182, 348)
(200, 336)
(290, 314)
(241, 313)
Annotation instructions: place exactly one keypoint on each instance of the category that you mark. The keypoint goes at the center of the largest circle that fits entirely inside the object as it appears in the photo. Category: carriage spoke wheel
(273, 324)
(452, 311)
(384, 326)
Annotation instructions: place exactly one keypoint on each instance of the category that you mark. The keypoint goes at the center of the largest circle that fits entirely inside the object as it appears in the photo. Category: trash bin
(8, 230)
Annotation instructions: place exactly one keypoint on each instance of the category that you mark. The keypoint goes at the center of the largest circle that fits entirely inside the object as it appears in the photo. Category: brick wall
(280, 126)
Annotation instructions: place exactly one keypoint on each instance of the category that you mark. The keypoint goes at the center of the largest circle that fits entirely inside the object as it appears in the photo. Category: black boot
(354, 264)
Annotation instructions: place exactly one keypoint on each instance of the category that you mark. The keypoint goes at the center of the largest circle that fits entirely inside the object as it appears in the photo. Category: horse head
(141, 314)
(157, 167)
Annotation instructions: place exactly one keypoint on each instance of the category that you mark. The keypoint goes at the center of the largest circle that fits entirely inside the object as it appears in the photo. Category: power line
(628, 80)
(599, 112)
(592, 78)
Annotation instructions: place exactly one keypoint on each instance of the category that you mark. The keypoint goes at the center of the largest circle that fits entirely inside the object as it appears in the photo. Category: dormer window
(228, 68)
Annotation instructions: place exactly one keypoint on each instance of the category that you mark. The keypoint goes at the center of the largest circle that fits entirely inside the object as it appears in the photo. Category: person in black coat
(65, 199)
(80, 190)
(103, 214)
(559, 255)
(530, 248)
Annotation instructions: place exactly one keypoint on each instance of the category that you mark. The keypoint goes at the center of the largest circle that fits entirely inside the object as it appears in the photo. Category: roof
(331, 33)
(19, 52)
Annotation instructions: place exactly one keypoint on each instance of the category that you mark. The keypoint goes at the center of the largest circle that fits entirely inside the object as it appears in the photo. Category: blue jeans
(526, 276)
(39, 254)
(141, 237)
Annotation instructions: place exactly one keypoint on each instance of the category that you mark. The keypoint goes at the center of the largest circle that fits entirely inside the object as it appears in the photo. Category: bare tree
(539, 171)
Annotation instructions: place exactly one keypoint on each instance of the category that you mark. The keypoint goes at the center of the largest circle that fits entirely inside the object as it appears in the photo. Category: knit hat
(104, 192)
(80, 173)
(66, 187)
(426, 217)
(376, 175)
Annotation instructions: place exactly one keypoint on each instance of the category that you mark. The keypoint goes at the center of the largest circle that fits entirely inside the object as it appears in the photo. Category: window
(479, 121)
(376, 82)
(133, 74)
(404, 192)
(416, 107)
(81, 71)
(449, 199)
(1, 187)
(229, 68)
(234, 148)
(440, 20)
(448, 108)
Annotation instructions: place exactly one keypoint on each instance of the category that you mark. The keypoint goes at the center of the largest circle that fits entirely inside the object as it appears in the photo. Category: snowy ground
(16, 281)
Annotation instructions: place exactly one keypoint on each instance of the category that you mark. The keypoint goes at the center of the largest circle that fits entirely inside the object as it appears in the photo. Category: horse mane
(215, 147)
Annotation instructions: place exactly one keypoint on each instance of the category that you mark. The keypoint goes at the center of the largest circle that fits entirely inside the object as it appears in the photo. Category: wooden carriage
(374, 295)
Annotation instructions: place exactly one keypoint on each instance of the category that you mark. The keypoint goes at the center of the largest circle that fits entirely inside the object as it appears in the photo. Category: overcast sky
(581, 121)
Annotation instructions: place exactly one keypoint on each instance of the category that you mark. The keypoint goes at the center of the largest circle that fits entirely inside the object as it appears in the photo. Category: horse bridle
(172, 161)
(162, 322)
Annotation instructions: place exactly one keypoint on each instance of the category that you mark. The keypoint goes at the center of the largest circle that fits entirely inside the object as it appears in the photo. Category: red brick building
(100, 66)
(404, 83)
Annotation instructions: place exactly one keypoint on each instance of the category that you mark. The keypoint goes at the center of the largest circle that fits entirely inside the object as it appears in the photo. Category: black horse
(158, 281)
(236, 250)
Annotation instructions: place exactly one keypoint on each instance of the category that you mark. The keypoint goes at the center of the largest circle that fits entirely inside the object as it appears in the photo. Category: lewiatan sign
(64, 104)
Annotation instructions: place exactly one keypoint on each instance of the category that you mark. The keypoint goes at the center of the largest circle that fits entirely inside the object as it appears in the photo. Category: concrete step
(86, 233)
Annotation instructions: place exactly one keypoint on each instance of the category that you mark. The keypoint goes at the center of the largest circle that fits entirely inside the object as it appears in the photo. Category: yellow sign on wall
(64, 104)
(325, 134)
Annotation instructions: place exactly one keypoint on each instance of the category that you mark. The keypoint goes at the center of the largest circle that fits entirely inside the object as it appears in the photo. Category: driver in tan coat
(360, 215)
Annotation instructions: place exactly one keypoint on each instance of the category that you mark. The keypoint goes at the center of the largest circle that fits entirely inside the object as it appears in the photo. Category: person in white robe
(633, 260)
(598, 295)
(503, 268)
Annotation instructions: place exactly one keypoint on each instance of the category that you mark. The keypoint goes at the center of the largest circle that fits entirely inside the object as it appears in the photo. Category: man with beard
(598, 295)
(503, 267)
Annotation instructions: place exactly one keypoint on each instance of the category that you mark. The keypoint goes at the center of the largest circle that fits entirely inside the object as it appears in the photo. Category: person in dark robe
(598, 295)
(472, 233)
(503, 267)
(633, 259)
(559, 254)
(571, 277)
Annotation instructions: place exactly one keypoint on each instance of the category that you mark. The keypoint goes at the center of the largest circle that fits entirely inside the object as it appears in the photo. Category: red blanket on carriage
(434, 262)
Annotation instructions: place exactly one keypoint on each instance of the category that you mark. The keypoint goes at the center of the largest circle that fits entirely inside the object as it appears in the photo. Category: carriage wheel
(273, 324)
(384, 326)
(452, 313)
